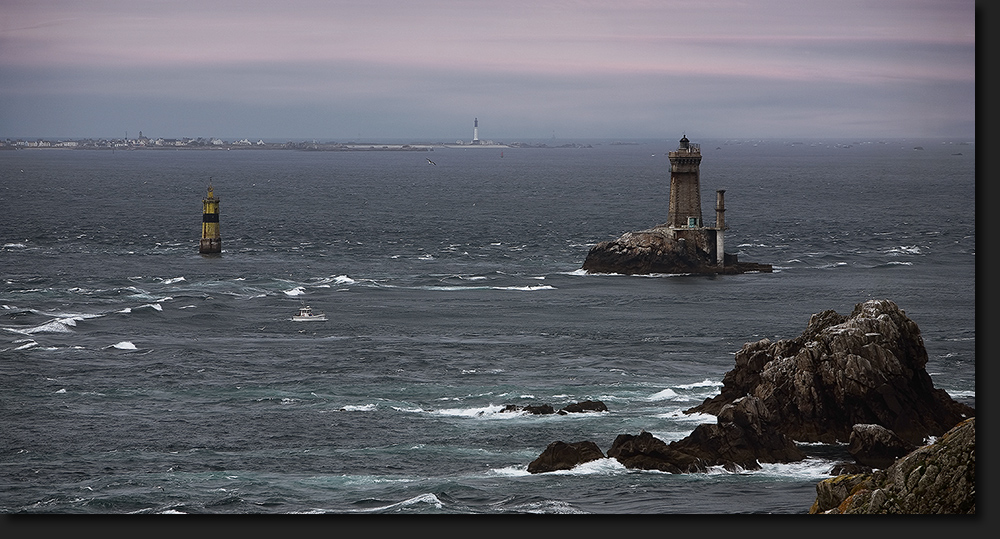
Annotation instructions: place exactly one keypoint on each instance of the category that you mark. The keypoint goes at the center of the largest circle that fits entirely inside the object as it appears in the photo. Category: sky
(378, 70)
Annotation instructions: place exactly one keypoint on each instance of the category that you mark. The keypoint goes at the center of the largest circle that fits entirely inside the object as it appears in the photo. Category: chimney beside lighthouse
(720, 225)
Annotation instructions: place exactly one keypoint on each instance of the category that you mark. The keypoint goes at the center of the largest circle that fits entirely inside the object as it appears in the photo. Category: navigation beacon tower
(211, 241)
(475, 132)
(684, 211)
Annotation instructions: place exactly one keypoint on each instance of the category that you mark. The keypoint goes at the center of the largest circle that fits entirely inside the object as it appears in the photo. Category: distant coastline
(143, 143)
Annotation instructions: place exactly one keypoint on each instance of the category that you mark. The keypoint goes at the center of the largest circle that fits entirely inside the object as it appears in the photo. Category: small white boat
(306, 314)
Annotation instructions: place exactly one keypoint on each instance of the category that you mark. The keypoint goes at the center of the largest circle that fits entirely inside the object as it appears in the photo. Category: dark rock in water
(541, 409)
(538, 409)
(584, 406)
(868, 367)
(744, 436)
(664, 250)
(564, 456)
(647, 452)
(934, 479)
(877, 446)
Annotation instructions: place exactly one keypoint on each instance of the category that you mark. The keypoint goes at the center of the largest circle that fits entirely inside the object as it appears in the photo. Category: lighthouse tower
(475, 132)
(211, 241)
(684, 209)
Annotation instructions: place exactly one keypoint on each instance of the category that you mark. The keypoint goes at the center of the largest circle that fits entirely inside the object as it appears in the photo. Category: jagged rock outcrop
(868, 367)
(647, 452)
(876, 446)
(664, 250)
(742, 438)
(939, 478)
(563, 456)
(744, 435)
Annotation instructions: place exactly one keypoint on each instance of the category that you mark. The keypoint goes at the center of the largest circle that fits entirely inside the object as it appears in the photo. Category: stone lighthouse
(684, 210)
(681, 245)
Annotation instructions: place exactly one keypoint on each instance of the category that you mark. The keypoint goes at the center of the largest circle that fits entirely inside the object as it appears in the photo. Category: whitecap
(420, 499)
(124, 345)
(358, 408)
(27, 345)
(904, 249)
(526, 288)
(696, 417)
(297, 291)
(14, 246)
(174, 280)
(343, 279)
(63, 390)
(510, 471)
(663, 395)
(492, 411)
(704, 383)
(61, 325)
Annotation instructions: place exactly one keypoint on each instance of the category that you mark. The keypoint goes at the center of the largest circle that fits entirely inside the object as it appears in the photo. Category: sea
(139, 376)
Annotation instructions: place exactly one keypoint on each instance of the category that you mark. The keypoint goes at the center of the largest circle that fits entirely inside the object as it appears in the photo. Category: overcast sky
(340, 70)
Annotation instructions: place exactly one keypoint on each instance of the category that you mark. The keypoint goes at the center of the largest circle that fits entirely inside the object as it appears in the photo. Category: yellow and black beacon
(211, 240)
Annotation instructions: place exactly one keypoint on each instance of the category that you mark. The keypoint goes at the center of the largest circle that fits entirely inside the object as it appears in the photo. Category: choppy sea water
(142, 377)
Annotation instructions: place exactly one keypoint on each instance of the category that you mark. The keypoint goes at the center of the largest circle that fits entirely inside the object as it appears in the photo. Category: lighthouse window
(692, 222)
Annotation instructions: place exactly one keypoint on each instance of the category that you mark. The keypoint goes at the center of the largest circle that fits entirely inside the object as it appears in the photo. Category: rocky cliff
(939, 478)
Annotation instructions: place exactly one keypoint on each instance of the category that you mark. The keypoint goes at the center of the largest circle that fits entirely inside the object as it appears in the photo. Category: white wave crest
(704, 383)
(491, 410)
(174, 280)
(60, 325)
(666, 394)
(904, 250)
(124, 345)
(530, 288)
(679, 415)
(358, 408)
(420, 499)
(297, 291)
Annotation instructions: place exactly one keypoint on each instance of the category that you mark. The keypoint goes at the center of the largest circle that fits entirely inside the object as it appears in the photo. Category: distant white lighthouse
(475, 132)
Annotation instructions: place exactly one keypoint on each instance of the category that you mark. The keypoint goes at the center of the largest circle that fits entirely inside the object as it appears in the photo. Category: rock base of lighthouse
(665, 249)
